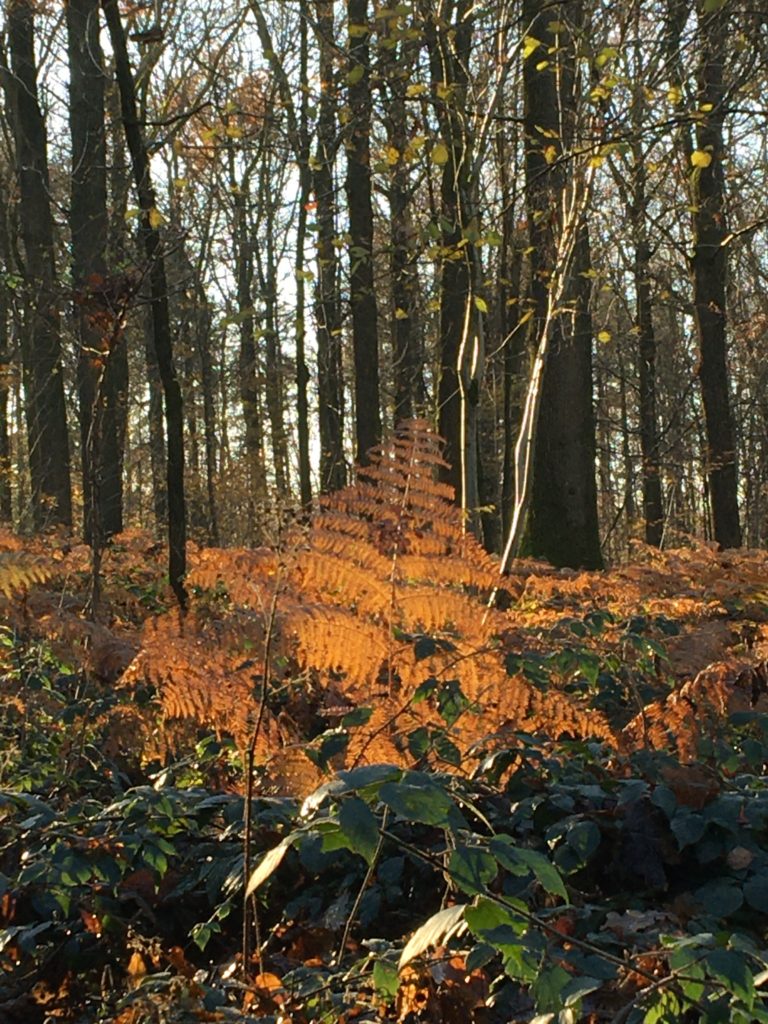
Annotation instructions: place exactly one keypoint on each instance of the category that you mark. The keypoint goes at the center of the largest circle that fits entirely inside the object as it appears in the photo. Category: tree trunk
(333, 472)
(97, 313)
(305, 183)
(362, 294)
(43, 377)
(396, 63)
(563, 523)
(161, 327)
(449, 40)
(710, 268)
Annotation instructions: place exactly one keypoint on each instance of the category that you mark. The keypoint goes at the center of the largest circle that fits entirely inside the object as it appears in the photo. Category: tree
(362, 291)
(709, 268)
(45, 410)
(161, 334)
(97, 308)
(563, 524)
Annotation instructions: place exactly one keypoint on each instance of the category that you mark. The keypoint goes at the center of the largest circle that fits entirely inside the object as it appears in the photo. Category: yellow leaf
(416, 89)
(700, 158)
(400, 314)
(596, 160)
(542, 64)
(156, 219)
(706, 107)
(433, 306)
(358, 31)
(443, 90)
(234, 132)
(481, 304)
(674, 94)
(132, 212)
(530, 45)
(208, 135)
(604, 336)
(599, 93)
(605, 55)
(440, 153)
(391, 155)
(180, 182)
(550, 154)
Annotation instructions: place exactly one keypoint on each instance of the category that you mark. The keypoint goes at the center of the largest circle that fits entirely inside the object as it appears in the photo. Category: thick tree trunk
(45, 409)
(563, 523)
(710, 266)
(161, 327)
(97, 316)
(362, 294)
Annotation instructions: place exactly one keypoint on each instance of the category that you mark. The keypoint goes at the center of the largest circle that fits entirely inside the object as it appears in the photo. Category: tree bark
(710, 267)
(563, 523)
(97, 313)
(333, 472)
(362, 294)
(45, 409)
(161, 327)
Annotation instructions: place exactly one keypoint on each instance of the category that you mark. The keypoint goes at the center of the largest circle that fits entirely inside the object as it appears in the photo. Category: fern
(381, 563)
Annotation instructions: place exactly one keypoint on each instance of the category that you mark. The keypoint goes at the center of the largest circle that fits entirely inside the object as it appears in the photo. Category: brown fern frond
(346, 604)
(19, 572)
(320, 577)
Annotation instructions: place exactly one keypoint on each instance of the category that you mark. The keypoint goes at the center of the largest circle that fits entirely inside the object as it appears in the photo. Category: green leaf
(720, 897)
(665, 1010)
(756, 892)
(386, 980)
(688, 828)
(515, 858)
(548, 989)
(451, 701)
(584, 839)
(424, 647)
(713, 5)
(731, 969)
(481, 304)
(356, 74)
(360, 827)
(472, 869)
(427, 804)
(577, 988)
(487, 918)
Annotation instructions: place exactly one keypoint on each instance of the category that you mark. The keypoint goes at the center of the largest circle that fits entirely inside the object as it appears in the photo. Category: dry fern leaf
(18, 572)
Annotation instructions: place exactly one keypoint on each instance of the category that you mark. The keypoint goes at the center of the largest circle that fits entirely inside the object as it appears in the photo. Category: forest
(383, 511)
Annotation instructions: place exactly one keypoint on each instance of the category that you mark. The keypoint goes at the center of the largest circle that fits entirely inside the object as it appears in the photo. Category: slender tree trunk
(43, 375)
(362, 294)
(250, 396)
(449, 40)
(329, 367)
(305, 184)
(267, 264)
(710, 266)
(6, 370)
(563, 523)
(97, 316)
(395, 63)
(161, 327)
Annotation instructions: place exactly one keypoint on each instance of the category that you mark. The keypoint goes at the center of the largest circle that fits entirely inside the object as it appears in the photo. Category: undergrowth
(555, 810)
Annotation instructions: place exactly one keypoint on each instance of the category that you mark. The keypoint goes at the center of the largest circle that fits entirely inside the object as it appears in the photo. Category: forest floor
(420, 847)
